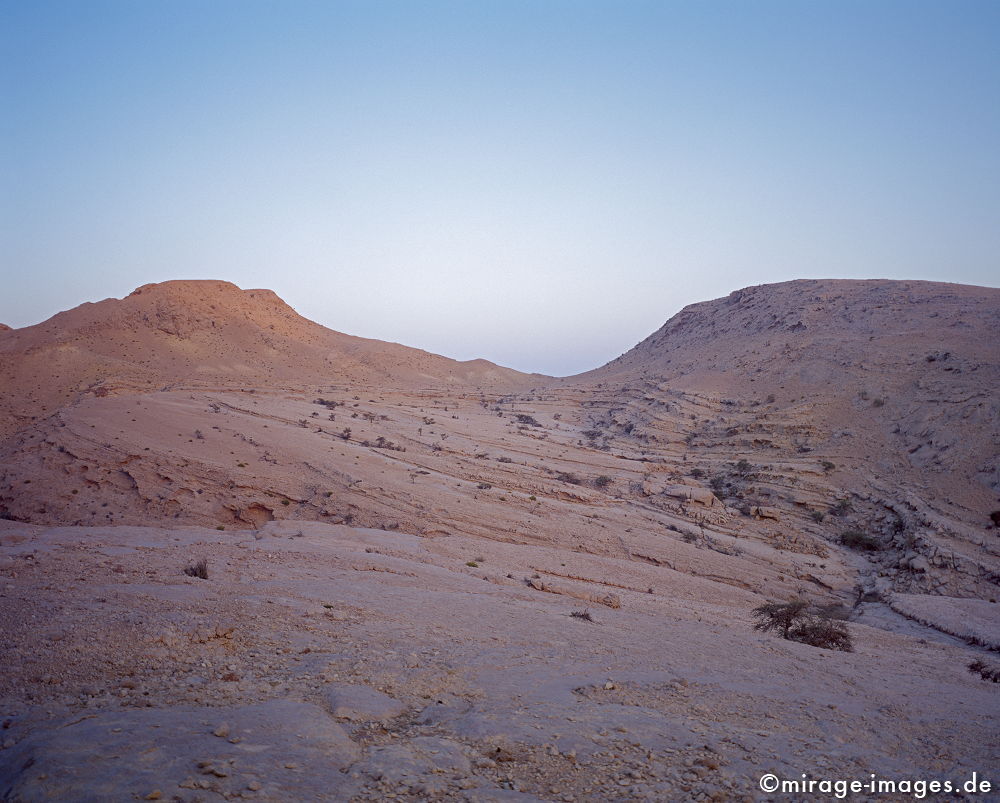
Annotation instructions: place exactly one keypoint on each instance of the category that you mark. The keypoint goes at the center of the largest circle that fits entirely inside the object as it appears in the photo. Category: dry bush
(855, 539)
(798, 620)
(198, 569)
(985, 671)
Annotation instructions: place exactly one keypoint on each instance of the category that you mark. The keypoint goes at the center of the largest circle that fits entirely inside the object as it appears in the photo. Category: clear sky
(540, 183)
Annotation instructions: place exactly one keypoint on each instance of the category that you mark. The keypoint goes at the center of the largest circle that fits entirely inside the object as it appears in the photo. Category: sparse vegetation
(527, 420)
(472, 563)
(603, 481)
(827, 466)
(841, 507)
(567, 476)
(798, 620)
(817, 516)
(584, 614)
(985, 671)
(198, 569)
(855, 539)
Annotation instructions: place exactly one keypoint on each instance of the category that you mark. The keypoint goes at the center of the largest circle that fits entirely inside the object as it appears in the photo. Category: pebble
(222, 731)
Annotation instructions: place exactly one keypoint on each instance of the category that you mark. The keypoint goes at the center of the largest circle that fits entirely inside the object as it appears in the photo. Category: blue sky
(539, 183)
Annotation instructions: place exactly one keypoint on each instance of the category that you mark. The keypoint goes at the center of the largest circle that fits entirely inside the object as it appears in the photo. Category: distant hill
(903, 374)
(203, 332)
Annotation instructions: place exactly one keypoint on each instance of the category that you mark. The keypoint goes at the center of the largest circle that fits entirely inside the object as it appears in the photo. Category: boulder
(690, 493)
(362, 704)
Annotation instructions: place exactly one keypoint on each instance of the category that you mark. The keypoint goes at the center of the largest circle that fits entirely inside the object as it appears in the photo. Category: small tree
(779, 616)
(798, 620)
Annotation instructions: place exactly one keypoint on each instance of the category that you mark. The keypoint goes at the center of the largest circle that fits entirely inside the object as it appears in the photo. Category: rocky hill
(336, 568)
(202, 333)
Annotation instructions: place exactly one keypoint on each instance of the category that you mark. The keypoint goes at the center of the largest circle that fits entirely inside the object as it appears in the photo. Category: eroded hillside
(834, 441)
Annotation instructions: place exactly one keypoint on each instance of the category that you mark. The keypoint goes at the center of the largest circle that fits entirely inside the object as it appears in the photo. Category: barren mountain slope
(661, 440)
(457, 582)
(915, 365)
(879, 396)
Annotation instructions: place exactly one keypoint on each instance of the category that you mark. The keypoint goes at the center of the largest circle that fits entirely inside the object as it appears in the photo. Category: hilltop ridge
(208, 332)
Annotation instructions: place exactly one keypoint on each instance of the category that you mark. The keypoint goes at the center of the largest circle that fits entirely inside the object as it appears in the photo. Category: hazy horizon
(538, 184)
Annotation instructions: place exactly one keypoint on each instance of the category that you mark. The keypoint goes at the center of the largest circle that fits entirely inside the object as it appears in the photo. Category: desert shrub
(484, 486)
(817, 516)
(798, 620)
(829, 634)
(827, 465)
(717, 483)
(855, 539)
(697, 473)
(472, 563)
(527, 420)
(878, 403)
(197, 569)
(504, 460)
(603, 481)
(567, 476)
(841, 507)
(585, 615)
(744, 467)
(985, 671)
